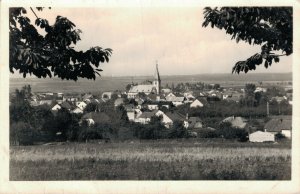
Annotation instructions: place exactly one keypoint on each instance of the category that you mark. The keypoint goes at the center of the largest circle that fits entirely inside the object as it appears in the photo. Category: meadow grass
(152, 160)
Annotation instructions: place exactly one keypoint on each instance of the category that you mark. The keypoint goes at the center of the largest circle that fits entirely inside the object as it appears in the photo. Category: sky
(173, 36)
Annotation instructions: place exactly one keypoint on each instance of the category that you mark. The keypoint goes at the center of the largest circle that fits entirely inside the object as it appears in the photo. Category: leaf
(266, 64)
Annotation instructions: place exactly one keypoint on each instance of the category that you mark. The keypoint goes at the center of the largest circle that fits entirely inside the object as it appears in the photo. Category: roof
(98, 117)
(175, 116)
(195, 122)
(66, 105)
(236, 121)
(87, 96)
(152, 96)
(148, 114)
(279, 98)
(276, 125)
(175, 99)
(260, 132)
(129, 107)
(197, 103)
(141, 88)
(118, 101)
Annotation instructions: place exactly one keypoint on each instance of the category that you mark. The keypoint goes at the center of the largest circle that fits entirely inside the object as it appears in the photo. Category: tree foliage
(271, 27)
(52, 54)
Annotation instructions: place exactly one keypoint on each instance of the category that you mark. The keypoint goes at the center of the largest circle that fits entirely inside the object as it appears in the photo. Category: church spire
(157, 79)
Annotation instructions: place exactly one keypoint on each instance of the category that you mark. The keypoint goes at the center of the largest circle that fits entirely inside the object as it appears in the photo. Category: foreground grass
(154, 160)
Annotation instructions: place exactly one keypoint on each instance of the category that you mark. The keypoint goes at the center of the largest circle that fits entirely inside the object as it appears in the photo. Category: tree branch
(34, 13)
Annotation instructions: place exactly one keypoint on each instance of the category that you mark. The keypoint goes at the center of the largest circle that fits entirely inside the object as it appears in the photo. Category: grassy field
(152, 160)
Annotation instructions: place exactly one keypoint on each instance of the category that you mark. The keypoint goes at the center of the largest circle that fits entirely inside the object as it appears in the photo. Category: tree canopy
(52, 54)
(270, 27)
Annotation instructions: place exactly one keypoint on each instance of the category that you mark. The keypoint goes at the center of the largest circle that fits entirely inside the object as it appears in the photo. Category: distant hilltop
(105, 83)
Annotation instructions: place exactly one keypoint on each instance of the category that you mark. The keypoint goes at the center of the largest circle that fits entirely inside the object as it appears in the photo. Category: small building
(237, 122)
(77, 110)
(118, 102)
(97, 117)
(174, 116)
(176, 101)
(280, 125)
(81, 105)
(152, 106)
(106, 95)
(195, 123)
(145, 118)
(56, 107)
(196, 103)
(260, 136)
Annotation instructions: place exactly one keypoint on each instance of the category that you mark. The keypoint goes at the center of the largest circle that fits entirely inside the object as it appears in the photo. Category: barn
(260, 136)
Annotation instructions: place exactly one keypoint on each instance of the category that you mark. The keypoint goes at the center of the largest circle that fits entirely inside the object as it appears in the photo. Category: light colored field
(145, 160)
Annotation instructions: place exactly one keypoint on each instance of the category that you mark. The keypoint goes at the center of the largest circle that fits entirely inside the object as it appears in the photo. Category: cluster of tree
(198, 86)
(224, 130)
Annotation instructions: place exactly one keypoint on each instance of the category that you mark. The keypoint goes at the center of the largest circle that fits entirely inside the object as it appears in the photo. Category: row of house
(276, 125)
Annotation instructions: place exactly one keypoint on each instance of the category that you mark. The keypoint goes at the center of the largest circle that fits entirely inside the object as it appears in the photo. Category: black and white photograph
(149, 91)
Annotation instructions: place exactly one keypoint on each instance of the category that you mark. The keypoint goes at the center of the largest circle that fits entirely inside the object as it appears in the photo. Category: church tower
(157, 81)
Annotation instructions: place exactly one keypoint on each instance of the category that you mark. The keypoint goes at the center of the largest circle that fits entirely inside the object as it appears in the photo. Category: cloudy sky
(172, 35)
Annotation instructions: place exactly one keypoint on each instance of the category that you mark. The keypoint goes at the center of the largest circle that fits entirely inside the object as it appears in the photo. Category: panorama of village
(255, 113)
(196, 113)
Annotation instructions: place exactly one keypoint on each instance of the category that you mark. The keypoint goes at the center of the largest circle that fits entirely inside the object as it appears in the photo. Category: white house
(56, 107)
(106, 95)
(81, 105)
(189, 97)
(170, 95)
(130, 115)
(77, 110)
(165, 119)
(196, 104)
(176, 101)
(260, 136)
(90, 122)
(152, 106)
(145, 118)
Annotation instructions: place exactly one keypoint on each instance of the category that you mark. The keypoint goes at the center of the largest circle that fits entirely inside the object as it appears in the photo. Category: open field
(152, 160)
(119, 83)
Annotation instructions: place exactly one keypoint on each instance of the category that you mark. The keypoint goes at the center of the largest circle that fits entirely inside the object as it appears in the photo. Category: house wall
(286, 133)
(175, 103)
(261, 137)
(130, 115)
(152, 107)
(196, 104)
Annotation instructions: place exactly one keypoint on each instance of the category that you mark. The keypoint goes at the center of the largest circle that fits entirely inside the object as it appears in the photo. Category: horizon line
(33, 77)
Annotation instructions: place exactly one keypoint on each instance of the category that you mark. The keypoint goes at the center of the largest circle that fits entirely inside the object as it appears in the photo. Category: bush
(22, 133)
(207, 133)
(228, 132)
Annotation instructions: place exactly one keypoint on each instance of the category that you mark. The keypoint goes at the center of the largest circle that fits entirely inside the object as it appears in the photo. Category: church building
(154, 87)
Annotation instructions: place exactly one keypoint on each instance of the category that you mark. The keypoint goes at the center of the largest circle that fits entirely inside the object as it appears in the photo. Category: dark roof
(87, 96)
(98, 117)
(129, 107)
(148, 114)
(152, 96)
(276, 125)
(281, 117)
(175, 116)
(195, 122)
(66, 105)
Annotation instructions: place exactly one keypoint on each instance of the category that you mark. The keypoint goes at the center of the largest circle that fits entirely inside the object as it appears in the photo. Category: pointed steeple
(157, 81)
(157, 77)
